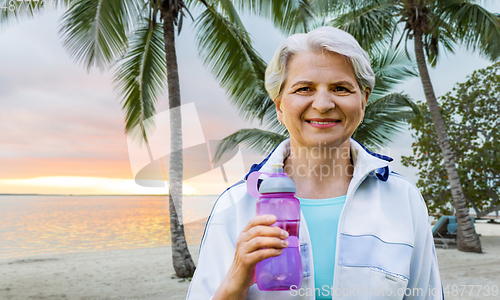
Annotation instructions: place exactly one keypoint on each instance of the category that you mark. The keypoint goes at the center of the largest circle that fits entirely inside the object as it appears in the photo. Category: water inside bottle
(291, 226)
(280, 273)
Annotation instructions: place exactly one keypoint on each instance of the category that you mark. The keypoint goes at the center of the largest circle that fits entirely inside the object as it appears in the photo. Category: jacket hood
(364, 160)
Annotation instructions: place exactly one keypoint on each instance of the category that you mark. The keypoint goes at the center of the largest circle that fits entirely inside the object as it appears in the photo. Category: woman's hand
(256, 242)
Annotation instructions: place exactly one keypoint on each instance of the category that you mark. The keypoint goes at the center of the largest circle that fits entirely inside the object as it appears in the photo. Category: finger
(260, 220)
(261, 242)
(260, 255)
(269, 231)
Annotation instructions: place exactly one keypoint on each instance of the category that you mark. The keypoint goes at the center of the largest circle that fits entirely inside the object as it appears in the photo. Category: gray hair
(323, 38)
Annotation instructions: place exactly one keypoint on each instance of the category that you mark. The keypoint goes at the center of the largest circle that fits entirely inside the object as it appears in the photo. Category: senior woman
(364, 230)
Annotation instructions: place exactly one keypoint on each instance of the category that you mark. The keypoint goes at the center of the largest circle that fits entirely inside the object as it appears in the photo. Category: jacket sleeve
(217, 249)
(425, 282)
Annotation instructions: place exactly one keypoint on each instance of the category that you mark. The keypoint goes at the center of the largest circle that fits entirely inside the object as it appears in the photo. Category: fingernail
(284, 234)
(284, 243)
(270, 218)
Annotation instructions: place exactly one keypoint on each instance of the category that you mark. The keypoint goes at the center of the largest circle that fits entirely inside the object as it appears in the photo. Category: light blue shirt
(322, 217)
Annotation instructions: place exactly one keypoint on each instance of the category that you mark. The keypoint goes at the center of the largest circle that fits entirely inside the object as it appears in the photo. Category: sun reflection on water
(32, 225)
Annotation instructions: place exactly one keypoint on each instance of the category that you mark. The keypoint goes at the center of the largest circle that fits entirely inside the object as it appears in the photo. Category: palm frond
(317, 22)
(227, 9)
(291, 16)
(261, 141)
(439, 32)
(227, 50)
(197, 4)
(476, 27)
(272, 123)
(391, 67)
(384, 118)
(329, 8)
(94, 32)
(141, 78)
(370, 23)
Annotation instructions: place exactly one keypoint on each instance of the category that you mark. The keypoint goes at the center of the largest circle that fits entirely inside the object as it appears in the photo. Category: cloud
(57, 119)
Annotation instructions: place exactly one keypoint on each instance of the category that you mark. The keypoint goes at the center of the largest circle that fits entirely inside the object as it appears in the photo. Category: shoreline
(147, 273)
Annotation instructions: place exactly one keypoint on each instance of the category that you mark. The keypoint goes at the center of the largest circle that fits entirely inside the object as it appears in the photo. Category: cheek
(354, 113)
(293, 107)
(359, 106)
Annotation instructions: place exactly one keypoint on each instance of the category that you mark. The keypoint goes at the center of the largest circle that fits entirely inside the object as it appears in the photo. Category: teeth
(315, 122)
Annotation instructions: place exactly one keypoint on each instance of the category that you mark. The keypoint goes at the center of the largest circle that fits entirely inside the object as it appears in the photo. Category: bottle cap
(277, 168)
(277, 182)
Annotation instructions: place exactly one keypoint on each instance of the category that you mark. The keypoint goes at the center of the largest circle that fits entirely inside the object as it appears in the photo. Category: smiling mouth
(322, 122)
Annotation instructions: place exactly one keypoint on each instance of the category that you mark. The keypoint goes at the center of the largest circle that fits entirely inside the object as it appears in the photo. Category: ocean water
(32, 225)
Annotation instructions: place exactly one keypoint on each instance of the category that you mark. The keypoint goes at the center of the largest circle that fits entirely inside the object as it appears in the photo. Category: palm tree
(139, 36)
(432, 24)
(386, 112)
(97, 33)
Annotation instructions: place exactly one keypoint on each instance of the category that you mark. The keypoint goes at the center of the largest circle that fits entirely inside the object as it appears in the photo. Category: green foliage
(227, 51)
(472, 116)
(95, 31)
(390, 67)
(368, 21)
(442, 23)
(140, 78)
(289, 16)
(261, 141)
(475, 26)
(384, 117)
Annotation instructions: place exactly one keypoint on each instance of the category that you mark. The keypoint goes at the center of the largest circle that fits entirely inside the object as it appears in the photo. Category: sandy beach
(111, 275)
(482, 270)
(148, 274)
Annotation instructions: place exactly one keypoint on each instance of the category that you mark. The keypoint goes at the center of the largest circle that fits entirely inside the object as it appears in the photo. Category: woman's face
(321, 103)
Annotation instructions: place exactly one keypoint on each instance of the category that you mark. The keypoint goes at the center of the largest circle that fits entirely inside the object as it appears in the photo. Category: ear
(364, 101)
(279, 112)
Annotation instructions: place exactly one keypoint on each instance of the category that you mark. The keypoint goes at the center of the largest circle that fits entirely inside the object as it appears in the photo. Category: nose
(323, 101)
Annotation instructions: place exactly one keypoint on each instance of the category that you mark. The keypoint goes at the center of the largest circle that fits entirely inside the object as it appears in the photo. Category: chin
(326, 141)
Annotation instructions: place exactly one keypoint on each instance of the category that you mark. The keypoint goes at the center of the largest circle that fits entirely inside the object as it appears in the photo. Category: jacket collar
(364, 161)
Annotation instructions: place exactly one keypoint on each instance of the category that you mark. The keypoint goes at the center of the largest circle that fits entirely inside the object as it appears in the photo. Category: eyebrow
(306, 82)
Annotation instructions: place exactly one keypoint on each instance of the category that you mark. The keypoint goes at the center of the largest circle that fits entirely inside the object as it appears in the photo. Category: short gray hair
(323, 38)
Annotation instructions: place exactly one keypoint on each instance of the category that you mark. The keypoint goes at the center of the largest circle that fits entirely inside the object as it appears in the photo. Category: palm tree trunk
(183, 263)
(467, 238)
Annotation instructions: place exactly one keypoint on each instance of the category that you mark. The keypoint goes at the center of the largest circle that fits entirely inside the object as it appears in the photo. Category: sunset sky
(62, 129)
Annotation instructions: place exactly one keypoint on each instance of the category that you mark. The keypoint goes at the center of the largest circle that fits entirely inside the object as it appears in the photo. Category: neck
(321, 171)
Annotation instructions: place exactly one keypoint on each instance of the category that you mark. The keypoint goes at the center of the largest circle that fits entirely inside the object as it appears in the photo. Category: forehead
(320, 65)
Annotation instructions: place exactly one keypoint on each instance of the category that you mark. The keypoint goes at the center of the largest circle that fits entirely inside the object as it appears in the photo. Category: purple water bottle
(277, 197)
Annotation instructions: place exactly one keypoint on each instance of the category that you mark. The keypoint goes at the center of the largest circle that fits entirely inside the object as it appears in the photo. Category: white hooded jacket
(385, 248)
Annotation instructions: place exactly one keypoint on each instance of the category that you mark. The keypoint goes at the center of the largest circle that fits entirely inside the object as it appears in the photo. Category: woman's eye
(340, 89)
(303, 89)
